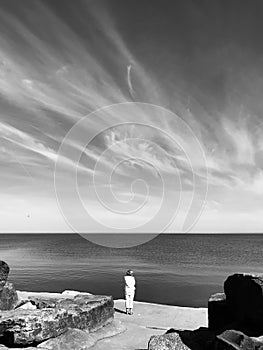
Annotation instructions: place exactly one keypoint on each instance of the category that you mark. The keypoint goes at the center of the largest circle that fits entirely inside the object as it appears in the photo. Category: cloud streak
(129, 68)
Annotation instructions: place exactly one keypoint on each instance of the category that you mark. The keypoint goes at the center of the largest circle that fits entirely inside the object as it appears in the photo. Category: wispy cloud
(50, 80)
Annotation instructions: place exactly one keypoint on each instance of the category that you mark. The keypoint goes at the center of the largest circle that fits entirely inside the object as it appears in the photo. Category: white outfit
(129, 291)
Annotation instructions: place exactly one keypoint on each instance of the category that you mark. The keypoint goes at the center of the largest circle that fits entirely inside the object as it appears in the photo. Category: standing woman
(129, 291)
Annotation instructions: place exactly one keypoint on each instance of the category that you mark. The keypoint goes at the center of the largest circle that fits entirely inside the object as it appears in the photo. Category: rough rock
(54, 317)
(218, 312)
(81, 340)
(88, 311)
(240, 308)
(8, 297)
(235, 340)
(244, 296)
(23, 327)
(4, 272)
(170, 341)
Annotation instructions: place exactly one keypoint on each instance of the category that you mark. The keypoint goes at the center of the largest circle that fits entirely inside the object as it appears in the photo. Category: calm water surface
(171, 269)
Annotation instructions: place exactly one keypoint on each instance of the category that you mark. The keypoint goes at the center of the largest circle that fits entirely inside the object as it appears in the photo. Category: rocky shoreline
(77, 321)
(44, 321)
(235, 320)
(70, 320)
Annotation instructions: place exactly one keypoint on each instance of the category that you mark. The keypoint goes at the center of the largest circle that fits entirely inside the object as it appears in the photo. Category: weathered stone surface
(25, 327)
(218, 312)
(4, 271)
(235, 340)
(54, 317)
(170, 341)
(73, 339)
(8, 297)
(81, 340)
(244, 296)
(88, 311)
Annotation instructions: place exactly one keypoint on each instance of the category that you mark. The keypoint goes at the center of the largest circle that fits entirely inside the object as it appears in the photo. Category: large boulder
(8, 297)
(240, 307)
(88, 312)
(4, 271)
(244, 296)
(218, 312)
(25, 327)
(235, 340)
(85, 311)
(54, 317)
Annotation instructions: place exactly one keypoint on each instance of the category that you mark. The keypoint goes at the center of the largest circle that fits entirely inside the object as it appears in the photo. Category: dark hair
(129, 273)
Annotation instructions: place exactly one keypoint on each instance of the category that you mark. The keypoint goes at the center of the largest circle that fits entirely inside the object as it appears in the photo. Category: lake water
(171, 269)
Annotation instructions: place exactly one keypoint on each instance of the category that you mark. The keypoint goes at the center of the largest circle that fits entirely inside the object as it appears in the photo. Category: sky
(135, 115)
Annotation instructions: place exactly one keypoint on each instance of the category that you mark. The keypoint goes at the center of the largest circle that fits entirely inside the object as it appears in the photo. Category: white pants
(129, 296)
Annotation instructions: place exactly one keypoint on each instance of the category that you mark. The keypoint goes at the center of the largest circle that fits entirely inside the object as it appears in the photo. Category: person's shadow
(120, 311)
